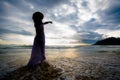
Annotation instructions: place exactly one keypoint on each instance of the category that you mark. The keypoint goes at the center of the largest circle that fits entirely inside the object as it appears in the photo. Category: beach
(76, 62)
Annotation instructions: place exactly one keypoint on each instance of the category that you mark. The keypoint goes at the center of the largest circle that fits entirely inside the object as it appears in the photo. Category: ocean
(102, 62)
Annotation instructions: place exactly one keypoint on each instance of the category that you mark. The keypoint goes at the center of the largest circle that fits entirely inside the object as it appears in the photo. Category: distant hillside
(109, 41)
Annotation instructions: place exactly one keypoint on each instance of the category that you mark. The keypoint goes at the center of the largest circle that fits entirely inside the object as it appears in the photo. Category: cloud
(111, 15)
(47, 3)
(74, 21)
(16, 39)
(88, 37)
(109, 22)
(108, 33)
(10, 31)
(61, 31)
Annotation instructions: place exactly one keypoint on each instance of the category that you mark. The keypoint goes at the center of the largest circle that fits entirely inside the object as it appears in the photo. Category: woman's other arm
(47, 22)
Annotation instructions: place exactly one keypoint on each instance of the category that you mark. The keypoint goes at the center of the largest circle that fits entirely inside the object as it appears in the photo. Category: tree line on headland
(109, 41)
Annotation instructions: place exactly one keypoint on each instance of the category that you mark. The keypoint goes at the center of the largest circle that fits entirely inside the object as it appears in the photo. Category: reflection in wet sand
(69, 53)
(92, 65)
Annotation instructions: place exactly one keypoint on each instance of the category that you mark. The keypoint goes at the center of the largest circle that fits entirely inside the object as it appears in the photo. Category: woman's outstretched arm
(47, 22)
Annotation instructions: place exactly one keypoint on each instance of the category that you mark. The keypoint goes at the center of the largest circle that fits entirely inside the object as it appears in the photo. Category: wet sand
(73, 63)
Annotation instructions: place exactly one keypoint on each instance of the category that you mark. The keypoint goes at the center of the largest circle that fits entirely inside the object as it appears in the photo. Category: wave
(56, 47)
(15, 46)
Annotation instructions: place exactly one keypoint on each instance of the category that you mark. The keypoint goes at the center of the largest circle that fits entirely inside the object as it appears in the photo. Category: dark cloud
(92, 25)
(71, 18)
(3, 31)
(89, 37)
(2, 11)
(111, 15)
(11, 5)
(46, 3)
(87, 34)
(84, 4)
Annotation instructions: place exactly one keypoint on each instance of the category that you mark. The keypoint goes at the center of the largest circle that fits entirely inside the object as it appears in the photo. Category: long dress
(38, 49)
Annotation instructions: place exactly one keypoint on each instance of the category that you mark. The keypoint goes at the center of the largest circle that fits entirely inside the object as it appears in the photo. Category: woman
(38, 49)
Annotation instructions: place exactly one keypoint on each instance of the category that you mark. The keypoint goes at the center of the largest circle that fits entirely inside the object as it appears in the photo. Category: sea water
(75, 61)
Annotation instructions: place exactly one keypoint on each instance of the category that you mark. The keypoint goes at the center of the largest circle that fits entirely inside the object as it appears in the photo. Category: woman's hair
(37, 17)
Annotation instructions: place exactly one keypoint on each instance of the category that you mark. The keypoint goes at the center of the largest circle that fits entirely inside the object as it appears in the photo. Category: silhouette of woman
(38, 49)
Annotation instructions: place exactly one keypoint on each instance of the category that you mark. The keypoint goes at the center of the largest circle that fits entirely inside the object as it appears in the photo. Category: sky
(74, 21)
